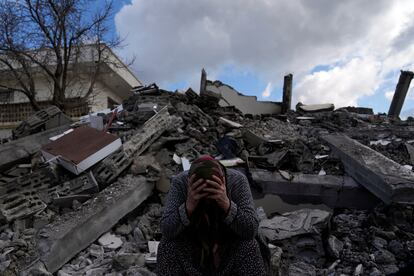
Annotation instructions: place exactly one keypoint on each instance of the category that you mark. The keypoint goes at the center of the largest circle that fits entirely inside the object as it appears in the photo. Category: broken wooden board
(333, 191)
(385, 178)
(71, 233)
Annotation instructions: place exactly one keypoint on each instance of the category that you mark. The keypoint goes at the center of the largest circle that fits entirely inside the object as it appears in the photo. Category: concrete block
(383, 177)
(79, 188)
(20, 205)
(111, 167)
(71, 233)
(151, 131)
(296, 223)
(48, 118)
(25, 195)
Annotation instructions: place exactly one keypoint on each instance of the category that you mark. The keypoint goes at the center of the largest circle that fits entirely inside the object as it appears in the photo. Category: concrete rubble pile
(105, 220)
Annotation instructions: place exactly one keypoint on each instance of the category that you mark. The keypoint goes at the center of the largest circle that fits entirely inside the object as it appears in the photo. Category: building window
(6, 96)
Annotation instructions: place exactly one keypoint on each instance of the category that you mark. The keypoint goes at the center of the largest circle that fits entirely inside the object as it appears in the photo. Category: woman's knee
(249, 258)
(167, 247)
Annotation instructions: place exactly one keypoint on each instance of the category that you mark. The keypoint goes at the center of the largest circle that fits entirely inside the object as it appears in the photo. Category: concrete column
(400, 93)
(203, 81)
(287, 93)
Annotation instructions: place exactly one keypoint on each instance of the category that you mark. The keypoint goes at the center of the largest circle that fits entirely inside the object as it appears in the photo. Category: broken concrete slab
(110, 241)
(67, 201)
(230, 97)
(255, 140)
(146, 89)
(307, 118)
(301, 269)
(74, 231)
(334, 191)
(335, 246)
(229, 123)
(385, 178)
(315, 107)
(80, 188)
(287, 225)
(231, 162)
(358, 110)
(17, 151)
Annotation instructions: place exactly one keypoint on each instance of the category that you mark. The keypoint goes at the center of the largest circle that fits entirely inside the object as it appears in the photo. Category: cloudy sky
(345, 52)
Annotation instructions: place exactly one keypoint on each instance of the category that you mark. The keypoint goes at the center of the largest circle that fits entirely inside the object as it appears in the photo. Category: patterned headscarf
(206, 166)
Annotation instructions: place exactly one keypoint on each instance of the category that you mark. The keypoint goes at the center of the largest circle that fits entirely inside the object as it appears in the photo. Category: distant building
(113, 85)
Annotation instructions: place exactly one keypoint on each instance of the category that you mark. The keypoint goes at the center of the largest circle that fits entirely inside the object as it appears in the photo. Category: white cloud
(365, 41)
(340, 85)
(389, 95)
(268, 90)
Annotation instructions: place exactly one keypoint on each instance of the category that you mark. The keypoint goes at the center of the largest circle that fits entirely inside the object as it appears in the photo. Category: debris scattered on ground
(103, 219)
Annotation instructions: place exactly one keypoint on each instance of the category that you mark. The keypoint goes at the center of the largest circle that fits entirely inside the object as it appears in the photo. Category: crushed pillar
(383, 177)
(203, 82)
(400, 93)
(287, 93)
(71, 233)
(333, 191)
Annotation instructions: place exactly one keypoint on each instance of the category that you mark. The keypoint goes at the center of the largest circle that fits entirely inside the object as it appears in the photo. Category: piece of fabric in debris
(228, 147)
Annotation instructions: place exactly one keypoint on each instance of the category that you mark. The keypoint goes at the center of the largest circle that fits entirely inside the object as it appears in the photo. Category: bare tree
(51, 39)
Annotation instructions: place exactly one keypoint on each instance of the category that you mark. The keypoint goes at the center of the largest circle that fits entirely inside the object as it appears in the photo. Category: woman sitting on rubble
(209, 224)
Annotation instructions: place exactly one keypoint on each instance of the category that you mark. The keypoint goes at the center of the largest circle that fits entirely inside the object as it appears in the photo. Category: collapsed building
(86, 198)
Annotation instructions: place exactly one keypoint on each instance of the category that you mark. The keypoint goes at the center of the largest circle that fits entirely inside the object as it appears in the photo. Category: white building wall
(98, 100)
(43, 89)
